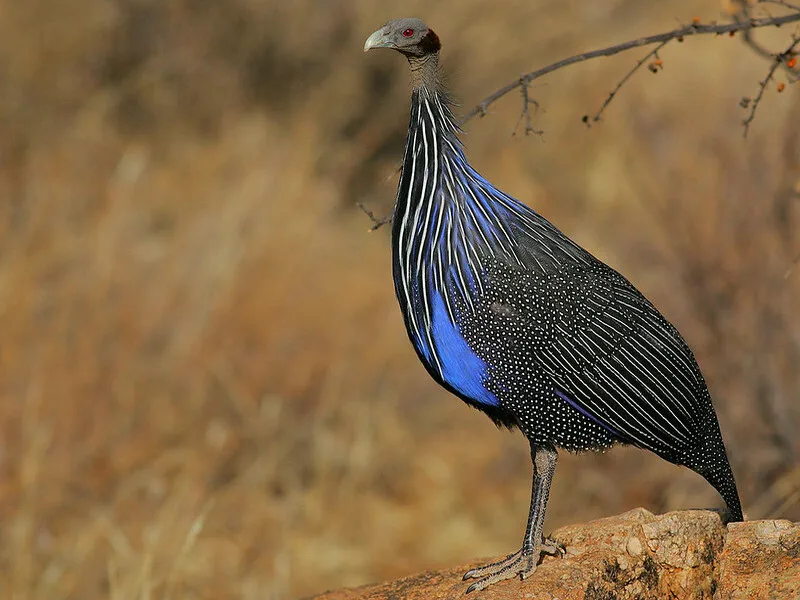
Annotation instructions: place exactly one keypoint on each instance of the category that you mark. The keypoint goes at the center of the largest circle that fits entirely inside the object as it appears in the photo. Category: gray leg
(523, 562)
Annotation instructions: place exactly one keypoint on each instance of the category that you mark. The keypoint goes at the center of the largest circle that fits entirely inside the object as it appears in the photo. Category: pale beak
(376, 40)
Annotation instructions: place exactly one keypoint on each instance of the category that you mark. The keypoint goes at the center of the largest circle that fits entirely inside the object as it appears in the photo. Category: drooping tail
(711, 461)
(720, 476)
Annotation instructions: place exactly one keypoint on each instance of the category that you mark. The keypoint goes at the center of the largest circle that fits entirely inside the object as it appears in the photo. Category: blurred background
(206, 387)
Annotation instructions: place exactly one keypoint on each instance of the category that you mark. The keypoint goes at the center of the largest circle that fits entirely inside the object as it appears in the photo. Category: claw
(553, 548)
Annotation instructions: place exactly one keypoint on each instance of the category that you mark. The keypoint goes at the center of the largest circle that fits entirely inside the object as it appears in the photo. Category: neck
(425, 71)
(445, 220)
(432, 139)
(446, 225)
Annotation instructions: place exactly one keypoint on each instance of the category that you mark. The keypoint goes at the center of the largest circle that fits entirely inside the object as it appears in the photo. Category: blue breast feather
(466, 372)
(461, 368)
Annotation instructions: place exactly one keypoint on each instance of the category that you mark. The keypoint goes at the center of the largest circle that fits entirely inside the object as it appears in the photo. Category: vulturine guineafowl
(513, 317)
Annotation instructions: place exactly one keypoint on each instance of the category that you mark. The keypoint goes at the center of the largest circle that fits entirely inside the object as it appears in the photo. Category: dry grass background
(206, 388)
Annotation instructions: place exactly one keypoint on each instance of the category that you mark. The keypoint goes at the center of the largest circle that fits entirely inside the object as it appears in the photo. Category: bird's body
(509, 314)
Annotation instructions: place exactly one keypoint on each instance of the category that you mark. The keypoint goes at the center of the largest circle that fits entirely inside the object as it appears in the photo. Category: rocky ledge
(636, 555)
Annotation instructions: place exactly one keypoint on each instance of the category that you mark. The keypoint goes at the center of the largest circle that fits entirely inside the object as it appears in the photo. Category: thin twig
(788, 5)
(678, 34)
(778, 60)
(747, 34)
(747, 37)
(624, 80)
(526, 111)
(762, 86)
(377, 222)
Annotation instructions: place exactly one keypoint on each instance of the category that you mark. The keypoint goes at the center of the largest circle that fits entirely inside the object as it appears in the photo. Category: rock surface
(761, 559)
(636, 555)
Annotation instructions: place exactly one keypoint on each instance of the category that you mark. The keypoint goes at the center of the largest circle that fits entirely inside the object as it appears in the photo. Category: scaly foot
(520, 563)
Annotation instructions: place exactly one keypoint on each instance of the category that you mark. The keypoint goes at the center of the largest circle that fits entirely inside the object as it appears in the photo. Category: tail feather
(711, 461)
(721, 477)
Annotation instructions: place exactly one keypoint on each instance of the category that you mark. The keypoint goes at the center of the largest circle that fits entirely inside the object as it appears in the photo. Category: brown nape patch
(430, 43)
(502, 309)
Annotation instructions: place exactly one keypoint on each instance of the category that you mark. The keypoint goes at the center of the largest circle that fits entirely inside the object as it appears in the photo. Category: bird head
(408, 36)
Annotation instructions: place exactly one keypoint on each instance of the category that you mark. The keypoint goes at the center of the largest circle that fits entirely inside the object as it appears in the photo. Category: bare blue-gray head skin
(416, 41)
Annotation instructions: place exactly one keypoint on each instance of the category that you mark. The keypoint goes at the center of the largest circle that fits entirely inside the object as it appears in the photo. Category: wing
(610, 353)
(607, 351)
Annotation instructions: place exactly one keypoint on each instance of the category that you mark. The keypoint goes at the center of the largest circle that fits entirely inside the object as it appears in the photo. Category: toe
(507, 573)
(553, 548)
(520, 563)
(492, 568)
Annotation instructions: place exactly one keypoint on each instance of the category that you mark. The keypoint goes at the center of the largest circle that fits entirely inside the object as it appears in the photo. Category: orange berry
(791, 62)
(696, 20)
(658, 62)
(781, 85)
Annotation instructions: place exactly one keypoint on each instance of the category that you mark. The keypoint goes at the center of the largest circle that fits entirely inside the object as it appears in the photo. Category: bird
(517, 320)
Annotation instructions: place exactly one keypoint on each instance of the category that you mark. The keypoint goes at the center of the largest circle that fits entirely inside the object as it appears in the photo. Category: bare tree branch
(747, 34)
(777, 61)
(624, 80)
(788, 5)
(377, 222)
(526, 111)
(662, 38)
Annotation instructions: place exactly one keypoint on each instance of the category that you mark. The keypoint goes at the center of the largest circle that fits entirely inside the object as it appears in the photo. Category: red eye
(408, 32)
